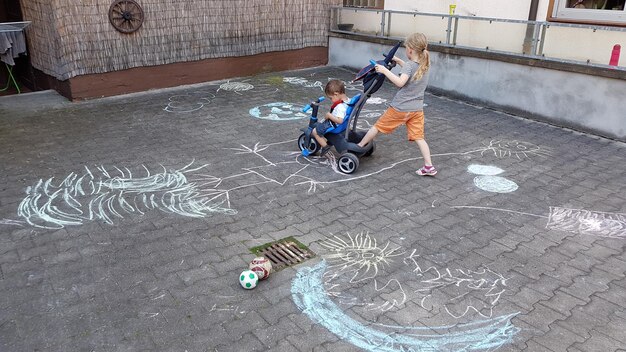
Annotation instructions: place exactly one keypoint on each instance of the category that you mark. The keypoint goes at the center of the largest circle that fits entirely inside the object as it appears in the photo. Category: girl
(408, 104)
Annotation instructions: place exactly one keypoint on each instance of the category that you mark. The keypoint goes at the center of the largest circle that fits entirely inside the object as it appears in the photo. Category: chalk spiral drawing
(310, 297)
(278, 111)
(103, 195)
(185, 103)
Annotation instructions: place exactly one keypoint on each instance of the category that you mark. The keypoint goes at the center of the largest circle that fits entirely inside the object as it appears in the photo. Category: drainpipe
(530, 29)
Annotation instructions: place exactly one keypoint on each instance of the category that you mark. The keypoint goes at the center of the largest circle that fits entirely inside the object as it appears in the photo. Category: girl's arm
(399, 81)
(398, 60)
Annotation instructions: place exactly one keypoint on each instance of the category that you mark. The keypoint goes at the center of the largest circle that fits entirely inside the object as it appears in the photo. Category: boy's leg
(321, 140)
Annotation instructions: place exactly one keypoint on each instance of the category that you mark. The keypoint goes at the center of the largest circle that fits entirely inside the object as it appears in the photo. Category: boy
(335, 90)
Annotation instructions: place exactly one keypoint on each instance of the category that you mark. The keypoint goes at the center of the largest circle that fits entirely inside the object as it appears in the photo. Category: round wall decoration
(126, 15)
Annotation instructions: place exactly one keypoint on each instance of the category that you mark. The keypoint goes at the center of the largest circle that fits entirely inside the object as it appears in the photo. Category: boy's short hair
(334, 86)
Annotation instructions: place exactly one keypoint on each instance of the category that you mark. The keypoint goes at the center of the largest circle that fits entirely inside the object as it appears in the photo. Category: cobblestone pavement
(126, 221)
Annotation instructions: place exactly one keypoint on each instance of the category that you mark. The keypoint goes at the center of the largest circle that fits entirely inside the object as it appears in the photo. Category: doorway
(10, 11)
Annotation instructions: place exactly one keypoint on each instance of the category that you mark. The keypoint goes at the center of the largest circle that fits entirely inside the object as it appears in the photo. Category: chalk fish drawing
(585, 222)
(278, 111)
(106, 196)
(309, 296)
(184, 103)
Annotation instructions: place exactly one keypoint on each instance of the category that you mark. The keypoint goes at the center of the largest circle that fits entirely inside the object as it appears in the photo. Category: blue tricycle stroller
(342, 137)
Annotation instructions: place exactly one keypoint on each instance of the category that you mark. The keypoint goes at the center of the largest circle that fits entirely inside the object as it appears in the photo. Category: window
(609, 12)
(375, 4)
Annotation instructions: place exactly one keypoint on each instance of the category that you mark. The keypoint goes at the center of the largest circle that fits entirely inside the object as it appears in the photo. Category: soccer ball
(261, 266)
(248, 279)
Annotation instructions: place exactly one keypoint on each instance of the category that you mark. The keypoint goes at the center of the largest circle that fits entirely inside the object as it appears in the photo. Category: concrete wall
(511, 9)
(583, 102)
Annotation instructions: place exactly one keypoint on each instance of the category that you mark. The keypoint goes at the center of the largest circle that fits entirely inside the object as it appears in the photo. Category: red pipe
(615, 55)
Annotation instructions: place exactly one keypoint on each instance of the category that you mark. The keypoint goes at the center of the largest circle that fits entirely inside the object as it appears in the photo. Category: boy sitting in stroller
(335, 90)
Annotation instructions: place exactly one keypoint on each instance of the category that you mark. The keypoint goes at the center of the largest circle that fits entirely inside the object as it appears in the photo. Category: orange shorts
(393, 118)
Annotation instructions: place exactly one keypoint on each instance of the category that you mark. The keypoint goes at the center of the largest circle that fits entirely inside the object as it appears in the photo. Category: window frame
(557, 12)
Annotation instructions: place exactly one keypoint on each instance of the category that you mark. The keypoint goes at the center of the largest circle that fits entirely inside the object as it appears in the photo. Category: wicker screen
(68, 38)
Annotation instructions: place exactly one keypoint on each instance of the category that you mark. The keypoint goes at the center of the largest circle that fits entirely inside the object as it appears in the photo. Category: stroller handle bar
(308, 107)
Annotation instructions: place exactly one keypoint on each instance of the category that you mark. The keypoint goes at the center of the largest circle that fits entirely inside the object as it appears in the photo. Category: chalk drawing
(585, 222)
(361, 253)
(278, 111)
(303, 82)
(309, 296)
(518, 149)
(375, 101)
(495, 184)
(498, 209)
(185, 103)
(577, 221)
(11, 222)
(104, 195)
(485, 170)
(236, 87)
(473, 291)
(358, 85)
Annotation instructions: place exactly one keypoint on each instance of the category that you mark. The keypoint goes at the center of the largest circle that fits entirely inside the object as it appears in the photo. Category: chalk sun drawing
(278, 111)
(190, 102)
(360, 253)
(103, 195)
(311, 298)
(515, 148)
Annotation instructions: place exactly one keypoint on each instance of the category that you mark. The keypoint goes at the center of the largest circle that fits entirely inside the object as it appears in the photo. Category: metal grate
(285, 253)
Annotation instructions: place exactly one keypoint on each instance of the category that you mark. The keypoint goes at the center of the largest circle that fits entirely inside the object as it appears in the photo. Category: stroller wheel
(313, 146)
(348, 163)
(372, 150)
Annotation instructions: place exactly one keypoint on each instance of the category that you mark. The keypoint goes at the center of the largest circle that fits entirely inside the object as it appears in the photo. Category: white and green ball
(248, 279)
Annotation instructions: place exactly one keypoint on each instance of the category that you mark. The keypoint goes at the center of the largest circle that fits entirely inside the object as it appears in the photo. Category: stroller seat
(346, 120)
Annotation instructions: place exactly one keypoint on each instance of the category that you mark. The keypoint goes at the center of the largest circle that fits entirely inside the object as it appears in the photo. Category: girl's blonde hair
(418, 43)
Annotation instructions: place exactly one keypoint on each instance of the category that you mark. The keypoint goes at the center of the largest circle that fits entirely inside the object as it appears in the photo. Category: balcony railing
(561, 42)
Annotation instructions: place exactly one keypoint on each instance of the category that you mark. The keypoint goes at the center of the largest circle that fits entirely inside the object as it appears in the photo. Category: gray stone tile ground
(125, 222)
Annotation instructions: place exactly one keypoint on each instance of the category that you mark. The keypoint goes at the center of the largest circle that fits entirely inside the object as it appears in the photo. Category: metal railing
(561, 42)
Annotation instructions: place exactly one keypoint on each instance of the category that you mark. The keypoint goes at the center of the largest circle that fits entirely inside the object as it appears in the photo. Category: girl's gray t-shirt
(411, 96)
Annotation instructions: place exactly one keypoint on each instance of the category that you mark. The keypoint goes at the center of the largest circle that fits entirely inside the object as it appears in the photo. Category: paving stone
(154, 279)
